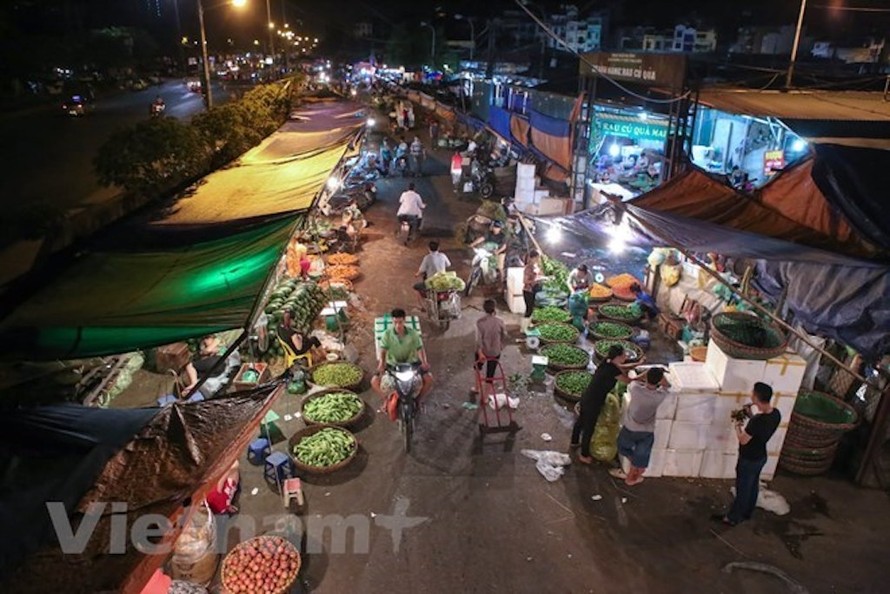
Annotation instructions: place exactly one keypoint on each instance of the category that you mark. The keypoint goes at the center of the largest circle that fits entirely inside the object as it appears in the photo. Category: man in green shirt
(400, 344)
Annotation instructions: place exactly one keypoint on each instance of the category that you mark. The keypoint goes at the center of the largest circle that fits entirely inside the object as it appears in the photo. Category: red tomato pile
(262, 565)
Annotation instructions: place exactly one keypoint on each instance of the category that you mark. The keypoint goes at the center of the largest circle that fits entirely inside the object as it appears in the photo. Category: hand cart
(501, 419)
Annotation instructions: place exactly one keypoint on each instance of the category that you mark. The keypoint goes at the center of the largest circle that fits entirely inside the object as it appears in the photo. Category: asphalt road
(48, 155)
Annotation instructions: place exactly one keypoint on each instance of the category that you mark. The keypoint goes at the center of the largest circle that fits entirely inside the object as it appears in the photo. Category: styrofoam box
(668, 407)
(726, 403)
(769, 470)
(692, 377)
(682, 462)
(525, 185)
(775, 443)
(696, 408)
(722, 438)
(525, 196)
(656, 461)
(785, 404)
(688, 436)
(733, 375)
(718, 465)
(785, 372)
(525, 171)
(662, 434)
(550, 206)
(541, 194)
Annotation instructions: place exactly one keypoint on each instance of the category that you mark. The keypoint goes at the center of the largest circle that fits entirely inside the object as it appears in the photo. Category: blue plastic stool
(258, 450)
(278, 467)
(165, 400)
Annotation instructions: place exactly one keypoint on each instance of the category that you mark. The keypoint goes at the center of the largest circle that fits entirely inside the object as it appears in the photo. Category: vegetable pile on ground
(327, 447)
(303, 299)
(334, 407)
(626, 313)
(343, 272)
(445, 281)
(633, 351)
(573, 383)
(550, 314)
(598, 291)
(555, 332)
(264, 564)
(611, 330)
(557, 271)
(342, 259)
(337, 375)
(563, 355)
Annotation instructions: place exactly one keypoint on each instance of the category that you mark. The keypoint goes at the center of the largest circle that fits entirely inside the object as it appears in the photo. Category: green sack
(604, 443)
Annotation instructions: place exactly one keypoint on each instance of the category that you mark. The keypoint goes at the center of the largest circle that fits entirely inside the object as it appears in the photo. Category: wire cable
(550, 33)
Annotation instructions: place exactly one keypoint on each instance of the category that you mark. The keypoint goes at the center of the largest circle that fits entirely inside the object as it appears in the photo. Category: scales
(539, 367)
(335, 315)
(533, 338)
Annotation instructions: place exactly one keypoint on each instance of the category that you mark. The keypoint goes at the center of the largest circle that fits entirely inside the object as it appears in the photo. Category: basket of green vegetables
(606, 330)
(601, 349)
(323, 449)
(337, 374)
(564, 356)
(550, 313)
(556, 332)
(627, 313)
(571, 383)
(334, 406)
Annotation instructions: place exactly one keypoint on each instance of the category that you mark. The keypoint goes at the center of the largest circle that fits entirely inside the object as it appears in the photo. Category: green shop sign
(629, 128)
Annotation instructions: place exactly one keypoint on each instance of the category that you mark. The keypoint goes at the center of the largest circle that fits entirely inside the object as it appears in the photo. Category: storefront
(748, 150)
(627, 148)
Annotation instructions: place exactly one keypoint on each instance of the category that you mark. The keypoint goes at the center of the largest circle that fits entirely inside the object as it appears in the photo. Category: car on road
(77, 106)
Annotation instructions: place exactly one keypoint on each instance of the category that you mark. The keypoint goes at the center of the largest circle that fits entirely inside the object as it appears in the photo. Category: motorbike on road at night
(157, 108)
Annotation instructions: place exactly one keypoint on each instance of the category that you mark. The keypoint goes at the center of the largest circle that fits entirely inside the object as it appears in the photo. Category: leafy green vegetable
(550, 314)
(630, 312)
(611, 330)
(564, 355)
(557, 271)
(335, 407)
(554, 332)
(445, 281)
(633, 351)
(325, 448)
(337, 375)
(573, 382)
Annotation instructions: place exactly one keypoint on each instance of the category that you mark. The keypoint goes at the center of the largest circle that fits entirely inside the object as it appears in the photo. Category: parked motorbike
(484, 268)
(482, 178)
(364, 196)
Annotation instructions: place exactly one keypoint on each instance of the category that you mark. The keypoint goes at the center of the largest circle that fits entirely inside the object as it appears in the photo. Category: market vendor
(220, 499)
(298, 341)
(497, 240)
(204, 362)
(353, 219)
(579, 279)
(644, 301)
(400, 344)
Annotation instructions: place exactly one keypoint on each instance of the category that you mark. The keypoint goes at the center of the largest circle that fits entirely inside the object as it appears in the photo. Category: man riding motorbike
(497, 240)
(400, 344)
(411, 207)
(157, 107)
(433, 263)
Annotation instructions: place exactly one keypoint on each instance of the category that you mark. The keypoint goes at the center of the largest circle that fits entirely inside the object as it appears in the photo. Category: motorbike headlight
(404, 376)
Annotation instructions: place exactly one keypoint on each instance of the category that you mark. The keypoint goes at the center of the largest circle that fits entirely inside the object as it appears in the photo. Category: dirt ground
(475, 514)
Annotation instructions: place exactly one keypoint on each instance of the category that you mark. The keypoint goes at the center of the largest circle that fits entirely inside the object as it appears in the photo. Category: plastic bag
(771, 501)
(550, 464)
(604, 443)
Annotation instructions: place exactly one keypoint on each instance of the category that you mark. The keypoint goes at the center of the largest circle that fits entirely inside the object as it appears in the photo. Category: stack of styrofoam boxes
(664, 420)
(526, 184)
(696, 391)
(513, 297)
(736, 378)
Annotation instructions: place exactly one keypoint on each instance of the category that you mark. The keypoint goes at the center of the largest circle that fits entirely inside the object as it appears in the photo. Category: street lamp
(208, 96)
(271, 30)
(461, 17)
(433, 48)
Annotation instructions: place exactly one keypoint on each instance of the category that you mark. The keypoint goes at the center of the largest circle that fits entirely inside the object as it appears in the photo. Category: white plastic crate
(785, 373)
(733, 375)
(718, 465)
(688, 436)
(682, 462)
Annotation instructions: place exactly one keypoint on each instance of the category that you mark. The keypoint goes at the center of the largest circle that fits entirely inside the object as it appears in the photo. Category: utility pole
(794, 48)
(271, 27)
(208, 97)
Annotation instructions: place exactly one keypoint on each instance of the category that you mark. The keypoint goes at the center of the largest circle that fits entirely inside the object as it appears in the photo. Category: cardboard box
(785, 372)
(733, 375)
(718, 465)
(682, 462)
(688, 436)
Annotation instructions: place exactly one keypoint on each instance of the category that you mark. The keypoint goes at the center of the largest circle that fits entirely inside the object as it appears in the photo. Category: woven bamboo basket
(628, 346)
(347, 423)
(562, 393)
(740, 350)
(601, 314)
(312, 430)
(575, 332)
(557, 367)
(595, 335)
(257, 542)
(352, 387)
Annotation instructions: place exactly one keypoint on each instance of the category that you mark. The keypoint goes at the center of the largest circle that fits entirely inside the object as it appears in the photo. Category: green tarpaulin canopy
(113, 302)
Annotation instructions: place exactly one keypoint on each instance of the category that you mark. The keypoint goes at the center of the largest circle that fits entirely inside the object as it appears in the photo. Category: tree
(151, 156)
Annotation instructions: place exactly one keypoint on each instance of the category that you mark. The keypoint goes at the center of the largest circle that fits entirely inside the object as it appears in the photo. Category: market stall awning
(171, 455)
(118, 301)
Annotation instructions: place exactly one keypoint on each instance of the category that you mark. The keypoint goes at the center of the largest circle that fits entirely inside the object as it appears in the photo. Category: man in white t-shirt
(433, 263)
(410, 203)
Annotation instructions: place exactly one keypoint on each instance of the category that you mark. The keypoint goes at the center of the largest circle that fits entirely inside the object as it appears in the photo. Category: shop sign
(773, 161)
(650, 69)
(605, 126)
